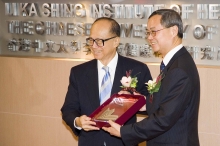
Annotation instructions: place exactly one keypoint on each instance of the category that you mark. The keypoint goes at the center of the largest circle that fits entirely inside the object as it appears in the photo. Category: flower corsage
(154, 86)
(128, 82)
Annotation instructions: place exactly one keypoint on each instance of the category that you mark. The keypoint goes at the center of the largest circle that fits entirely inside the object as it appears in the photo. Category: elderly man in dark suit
(173, 109)
(85, 87)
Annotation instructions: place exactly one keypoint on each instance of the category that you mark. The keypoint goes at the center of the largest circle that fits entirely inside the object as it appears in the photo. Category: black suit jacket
(173, 114)
(82, 97)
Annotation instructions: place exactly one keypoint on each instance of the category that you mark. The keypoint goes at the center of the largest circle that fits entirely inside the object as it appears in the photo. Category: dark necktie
(162, 66)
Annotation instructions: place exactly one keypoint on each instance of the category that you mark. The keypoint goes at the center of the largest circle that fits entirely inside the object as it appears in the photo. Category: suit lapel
(156, 96)
(92, 78)
(174, 58)
(119, 73)
(92, 85)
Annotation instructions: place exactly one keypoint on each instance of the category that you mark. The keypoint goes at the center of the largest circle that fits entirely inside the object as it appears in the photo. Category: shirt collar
(112, 64)
(171, 53)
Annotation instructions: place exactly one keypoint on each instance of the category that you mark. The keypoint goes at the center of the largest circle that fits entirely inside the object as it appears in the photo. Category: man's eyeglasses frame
(95, 40)
(153, 32)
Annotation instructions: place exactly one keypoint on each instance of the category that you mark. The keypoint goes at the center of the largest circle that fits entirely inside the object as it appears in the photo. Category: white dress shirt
(170, 54)
(112, 67)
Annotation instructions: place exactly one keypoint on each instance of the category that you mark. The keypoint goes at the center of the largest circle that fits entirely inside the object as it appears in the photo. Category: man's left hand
(114, 129)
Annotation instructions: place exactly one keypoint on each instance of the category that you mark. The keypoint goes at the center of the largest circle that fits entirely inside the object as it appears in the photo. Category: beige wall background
(32, 92)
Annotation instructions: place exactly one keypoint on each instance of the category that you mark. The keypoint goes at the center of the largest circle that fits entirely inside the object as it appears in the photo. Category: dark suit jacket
(82, 97)
(173, 114)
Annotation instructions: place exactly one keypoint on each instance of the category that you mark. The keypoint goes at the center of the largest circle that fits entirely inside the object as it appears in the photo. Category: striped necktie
(106, 86)
(162, 66)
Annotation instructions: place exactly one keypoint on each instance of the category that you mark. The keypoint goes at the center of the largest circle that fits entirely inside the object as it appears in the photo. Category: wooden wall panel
(32, 92)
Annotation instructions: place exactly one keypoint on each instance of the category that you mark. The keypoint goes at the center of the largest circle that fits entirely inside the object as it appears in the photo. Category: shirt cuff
(74, 123)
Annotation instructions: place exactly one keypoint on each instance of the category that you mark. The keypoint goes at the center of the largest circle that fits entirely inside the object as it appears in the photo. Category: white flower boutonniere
(154, 86)
(129, 83)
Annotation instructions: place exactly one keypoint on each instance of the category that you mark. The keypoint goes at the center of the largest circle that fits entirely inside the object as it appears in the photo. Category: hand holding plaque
(118, 108)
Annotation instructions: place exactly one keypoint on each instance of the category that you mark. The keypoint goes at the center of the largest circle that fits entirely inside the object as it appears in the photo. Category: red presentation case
(118, 108)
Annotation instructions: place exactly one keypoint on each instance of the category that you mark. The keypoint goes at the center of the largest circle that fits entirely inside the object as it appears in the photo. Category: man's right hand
(85, 123)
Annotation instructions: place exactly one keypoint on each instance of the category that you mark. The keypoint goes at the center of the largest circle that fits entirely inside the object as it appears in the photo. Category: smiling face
(101, 30)
(165, 39)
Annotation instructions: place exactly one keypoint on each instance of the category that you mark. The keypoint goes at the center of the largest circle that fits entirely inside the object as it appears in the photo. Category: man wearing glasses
(85, 89)
(173, 110)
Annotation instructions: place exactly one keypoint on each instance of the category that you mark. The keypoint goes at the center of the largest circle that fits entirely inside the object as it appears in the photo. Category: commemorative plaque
(118, 108)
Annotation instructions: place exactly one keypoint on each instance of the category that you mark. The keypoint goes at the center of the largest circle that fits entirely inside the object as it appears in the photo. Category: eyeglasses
(153, 32)
(99, 42)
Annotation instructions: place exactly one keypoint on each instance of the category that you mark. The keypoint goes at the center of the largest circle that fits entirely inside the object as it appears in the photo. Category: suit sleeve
(175, 95)
(71, 109)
